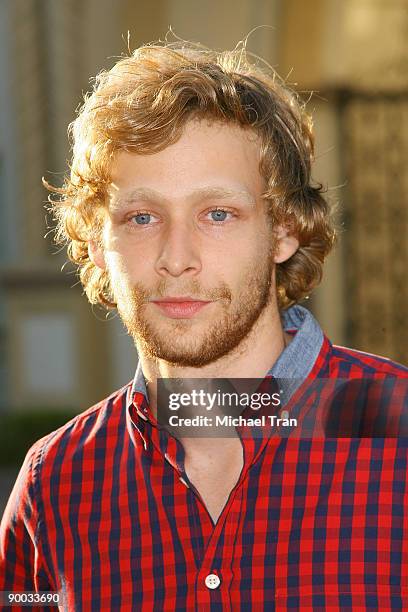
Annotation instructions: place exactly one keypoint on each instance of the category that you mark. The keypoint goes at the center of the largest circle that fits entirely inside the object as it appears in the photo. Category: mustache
(142, 295)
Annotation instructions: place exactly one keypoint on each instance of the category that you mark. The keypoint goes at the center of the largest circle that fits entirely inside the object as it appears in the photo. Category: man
(190, 208)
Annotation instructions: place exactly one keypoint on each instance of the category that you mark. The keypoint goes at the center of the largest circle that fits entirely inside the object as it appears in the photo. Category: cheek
(124, 259)
(233, 265)
(241, 253)
(115, 261)
(122, 278)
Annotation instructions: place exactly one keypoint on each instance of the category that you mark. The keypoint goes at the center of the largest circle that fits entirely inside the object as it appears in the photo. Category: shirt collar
(296, 361)
(293, 364)
(139, 382)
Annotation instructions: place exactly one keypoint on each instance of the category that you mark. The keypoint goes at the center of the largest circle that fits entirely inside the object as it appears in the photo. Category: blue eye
(219, 215)
(142, 218)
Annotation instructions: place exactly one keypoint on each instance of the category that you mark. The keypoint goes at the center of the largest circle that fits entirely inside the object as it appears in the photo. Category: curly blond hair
(142, 104)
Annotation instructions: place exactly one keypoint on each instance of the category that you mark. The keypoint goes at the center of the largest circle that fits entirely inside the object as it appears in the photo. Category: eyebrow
(202, 193)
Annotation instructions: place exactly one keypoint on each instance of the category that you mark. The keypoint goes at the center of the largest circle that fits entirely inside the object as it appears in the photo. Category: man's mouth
(183, 307)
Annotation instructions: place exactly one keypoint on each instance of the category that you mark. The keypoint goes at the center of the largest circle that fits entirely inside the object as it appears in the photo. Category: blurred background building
(56, 352)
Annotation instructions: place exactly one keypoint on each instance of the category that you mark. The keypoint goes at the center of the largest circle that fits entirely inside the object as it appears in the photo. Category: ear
(286, 244)
(96, 254)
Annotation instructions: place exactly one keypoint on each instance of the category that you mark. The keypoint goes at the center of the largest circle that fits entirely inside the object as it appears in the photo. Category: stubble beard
(189, 342)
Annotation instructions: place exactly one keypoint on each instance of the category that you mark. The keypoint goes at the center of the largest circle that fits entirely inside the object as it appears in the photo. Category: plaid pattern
(103, 512)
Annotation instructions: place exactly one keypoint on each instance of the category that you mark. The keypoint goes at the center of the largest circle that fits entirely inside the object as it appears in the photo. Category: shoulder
(370, 395)
(80, 432)
(64, 456)
(355, 363)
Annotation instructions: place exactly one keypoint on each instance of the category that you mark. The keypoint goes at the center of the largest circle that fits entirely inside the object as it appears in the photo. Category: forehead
(207, 155)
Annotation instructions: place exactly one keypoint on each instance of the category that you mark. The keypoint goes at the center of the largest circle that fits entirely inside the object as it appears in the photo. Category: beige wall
(357, 44)
(223, 24)
(329, 299)
(58, 350)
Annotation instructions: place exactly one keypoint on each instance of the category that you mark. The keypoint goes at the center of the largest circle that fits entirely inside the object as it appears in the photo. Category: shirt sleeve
(21, 563)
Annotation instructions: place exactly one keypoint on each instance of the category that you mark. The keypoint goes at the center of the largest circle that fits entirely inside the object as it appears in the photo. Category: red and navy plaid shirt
(103, 511)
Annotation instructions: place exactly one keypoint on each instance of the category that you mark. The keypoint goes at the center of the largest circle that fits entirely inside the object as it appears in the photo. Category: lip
(174, 300)
(180, 308)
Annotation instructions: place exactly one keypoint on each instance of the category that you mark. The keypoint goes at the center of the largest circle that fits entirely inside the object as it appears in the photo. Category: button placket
(212, 589)
(210, 578)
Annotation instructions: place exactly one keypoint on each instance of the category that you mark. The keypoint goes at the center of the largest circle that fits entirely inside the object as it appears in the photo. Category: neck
(252, 358)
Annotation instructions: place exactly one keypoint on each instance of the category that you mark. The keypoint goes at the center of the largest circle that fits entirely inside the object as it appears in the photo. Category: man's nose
(179, 250)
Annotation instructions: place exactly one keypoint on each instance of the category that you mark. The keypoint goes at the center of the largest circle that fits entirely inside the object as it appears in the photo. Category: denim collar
(298, 358)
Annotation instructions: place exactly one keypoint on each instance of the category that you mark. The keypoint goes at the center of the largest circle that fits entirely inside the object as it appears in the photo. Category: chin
(178, 358)
(165, 325)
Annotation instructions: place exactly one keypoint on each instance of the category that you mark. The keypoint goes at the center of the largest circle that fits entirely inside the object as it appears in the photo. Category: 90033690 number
(27, 598)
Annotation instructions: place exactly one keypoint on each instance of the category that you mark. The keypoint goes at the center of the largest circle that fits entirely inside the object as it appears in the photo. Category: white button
(212, 581)
(284, 414)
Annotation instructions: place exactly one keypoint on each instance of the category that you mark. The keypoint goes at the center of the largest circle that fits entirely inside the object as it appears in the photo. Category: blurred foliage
(20, 429)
